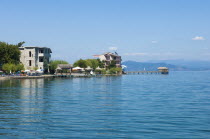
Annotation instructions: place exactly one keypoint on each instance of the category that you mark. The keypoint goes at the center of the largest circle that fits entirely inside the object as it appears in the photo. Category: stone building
(108, 57)
(35, 57)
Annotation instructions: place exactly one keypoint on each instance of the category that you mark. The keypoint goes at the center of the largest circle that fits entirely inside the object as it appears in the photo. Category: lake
(129, 106)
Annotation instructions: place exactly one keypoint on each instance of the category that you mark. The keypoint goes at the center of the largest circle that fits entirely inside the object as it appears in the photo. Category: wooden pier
(161, 70)
(142, 72)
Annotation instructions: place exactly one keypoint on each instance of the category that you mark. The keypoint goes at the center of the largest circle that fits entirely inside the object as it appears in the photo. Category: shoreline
(4, 78)
(56, 76)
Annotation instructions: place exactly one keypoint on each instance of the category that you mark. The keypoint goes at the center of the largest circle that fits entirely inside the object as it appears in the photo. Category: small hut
(163, 70)
(63, 69)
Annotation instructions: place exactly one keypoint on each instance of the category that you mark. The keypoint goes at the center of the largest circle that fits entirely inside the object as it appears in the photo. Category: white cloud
(112, 48)
(154, 41)
(198, 38)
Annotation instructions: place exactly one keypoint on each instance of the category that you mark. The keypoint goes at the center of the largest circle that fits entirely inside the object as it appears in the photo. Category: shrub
(115, 71)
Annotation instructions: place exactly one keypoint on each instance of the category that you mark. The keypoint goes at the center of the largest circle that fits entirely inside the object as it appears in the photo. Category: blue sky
(139, 30)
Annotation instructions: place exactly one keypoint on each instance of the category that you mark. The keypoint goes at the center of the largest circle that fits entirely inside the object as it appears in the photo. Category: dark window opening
(41, 59)
(29, 62)
(29, 53)
(41, 51)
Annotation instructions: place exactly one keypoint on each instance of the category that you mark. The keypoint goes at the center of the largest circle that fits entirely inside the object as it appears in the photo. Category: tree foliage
(115, 70)
(101, 63)
(93, 63)
(112, 64)
(9, 53)
(46, 66)
(12, 67)
(81, 63)
(20, 44)
(54, 63)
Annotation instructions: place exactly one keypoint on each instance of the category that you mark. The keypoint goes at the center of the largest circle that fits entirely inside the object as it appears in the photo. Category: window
(41, 51)
(29, 53)
(41, 59)
(29, 62)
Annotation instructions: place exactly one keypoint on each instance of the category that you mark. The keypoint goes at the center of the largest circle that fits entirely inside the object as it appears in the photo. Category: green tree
(20, 67)
(9, 53)
(6, 67)
(115, 71)
(12, 67)
(45, 66)
(80, 63)
(93, 63)
(20, 44)
(101, 63)
(112, 64)
(54, 63)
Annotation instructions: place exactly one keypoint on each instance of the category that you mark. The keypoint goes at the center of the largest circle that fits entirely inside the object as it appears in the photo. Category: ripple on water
(141, 106)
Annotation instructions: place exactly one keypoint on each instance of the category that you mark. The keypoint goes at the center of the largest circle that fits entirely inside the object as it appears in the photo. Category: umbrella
(77, 68)
(39, 70)
(27, 71)
(88, 68)
(98, 68)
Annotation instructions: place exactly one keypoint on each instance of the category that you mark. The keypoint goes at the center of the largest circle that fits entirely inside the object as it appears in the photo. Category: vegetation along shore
(20, 62)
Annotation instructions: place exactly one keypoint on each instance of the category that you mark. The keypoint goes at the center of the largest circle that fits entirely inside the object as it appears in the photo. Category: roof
(64, 66)
(108, 53)
(35, 47)
(162, 68)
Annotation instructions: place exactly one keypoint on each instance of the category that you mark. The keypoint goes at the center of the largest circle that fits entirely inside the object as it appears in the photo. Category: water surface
(131, 106)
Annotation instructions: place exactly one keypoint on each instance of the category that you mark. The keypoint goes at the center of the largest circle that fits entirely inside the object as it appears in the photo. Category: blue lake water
(130, 106)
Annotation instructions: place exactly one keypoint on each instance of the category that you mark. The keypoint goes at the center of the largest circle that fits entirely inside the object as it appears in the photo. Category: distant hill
(191, 65)
(140, 66)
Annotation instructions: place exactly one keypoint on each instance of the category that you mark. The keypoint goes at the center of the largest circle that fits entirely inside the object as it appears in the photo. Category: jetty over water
(143, 72)
(161, 70)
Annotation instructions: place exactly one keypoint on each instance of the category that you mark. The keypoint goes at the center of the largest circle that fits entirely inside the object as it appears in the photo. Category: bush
(102, 71)
(12, 67)
(115, 71)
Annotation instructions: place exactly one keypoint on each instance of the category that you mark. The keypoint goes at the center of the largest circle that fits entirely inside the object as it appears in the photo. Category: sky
(138, 30)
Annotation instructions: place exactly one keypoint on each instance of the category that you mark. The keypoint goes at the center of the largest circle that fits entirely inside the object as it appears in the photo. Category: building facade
(108, 57)
(35, 57)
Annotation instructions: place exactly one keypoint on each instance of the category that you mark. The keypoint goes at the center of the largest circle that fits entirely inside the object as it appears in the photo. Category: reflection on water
(65, 105)
(146, 106)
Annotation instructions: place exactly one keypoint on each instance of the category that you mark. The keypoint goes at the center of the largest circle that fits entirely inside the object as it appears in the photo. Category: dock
(161, 70)
(143, 72)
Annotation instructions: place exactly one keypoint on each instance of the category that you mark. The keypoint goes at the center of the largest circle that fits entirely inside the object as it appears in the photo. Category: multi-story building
(35, 57)
(108, 57)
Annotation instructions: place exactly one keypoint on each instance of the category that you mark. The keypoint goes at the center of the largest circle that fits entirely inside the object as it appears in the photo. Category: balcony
(41, 54)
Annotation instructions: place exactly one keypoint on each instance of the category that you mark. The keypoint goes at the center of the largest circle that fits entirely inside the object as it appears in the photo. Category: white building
(108, 57)
(34, 57)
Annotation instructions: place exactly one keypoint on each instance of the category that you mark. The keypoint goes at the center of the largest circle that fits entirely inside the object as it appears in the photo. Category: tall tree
(20, 44)
(93, 63)
(9, 53)
(80, 63)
